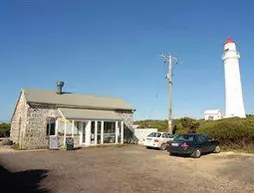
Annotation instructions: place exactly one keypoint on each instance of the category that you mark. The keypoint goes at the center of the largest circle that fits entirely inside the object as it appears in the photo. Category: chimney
(59, 85)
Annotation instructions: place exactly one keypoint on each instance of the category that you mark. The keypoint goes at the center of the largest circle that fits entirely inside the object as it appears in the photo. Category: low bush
(4, 130)
(231, 132)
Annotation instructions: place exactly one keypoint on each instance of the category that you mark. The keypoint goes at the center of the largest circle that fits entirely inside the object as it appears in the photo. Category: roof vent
(59, 85)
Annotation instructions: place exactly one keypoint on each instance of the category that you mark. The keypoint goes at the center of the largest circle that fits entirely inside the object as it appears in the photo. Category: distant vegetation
(5, 130)
(233, 133)
(182, 125)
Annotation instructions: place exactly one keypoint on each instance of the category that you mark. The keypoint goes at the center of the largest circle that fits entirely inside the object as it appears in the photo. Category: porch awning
(85, 114)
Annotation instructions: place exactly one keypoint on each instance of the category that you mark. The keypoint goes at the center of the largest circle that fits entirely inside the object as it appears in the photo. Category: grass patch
(16, 147)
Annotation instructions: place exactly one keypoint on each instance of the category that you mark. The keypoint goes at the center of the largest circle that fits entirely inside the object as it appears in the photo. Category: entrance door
(98, 132)
(84, 132)
(92, 132)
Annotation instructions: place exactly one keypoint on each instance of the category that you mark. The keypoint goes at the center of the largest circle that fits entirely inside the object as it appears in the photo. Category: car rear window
(185, 138)
(154, 134)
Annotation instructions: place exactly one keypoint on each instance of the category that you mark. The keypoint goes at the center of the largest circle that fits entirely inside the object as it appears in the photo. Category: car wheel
(163, 146)
(196, 153)
(216, 149)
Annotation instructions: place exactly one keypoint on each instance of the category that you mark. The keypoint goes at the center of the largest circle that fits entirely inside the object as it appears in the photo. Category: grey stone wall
(18, 122)
(127, 117)
(36, 128)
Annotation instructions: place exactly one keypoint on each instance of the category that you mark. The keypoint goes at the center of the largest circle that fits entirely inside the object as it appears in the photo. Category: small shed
(213, 114)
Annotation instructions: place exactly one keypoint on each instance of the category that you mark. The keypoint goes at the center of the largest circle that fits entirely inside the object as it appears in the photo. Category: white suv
(158, 140)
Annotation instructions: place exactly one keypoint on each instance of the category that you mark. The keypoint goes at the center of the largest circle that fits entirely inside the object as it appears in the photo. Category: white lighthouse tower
(233, 84)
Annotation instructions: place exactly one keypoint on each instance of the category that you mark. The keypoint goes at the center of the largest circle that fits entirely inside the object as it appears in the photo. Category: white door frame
(87, 131)
(87, 141)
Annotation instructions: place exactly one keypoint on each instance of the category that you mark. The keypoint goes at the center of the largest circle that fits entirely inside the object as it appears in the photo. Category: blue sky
(112, 48)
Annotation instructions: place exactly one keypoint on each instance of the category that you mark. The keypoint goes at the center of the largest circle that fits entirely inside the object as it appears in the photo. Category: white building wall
(233, 85)
(140, 134)
(214, 114)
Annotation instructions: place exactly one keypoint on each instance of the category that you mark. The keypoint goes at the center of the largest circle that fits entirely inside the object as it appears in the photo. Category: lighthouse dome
(229, 45)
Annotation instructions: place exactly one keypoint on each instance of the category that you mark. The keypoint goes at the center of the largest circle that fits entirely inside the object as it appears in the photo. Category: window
(165, 135)
(206, 137)
(210, 117)
(202, 138)
(185, 137)
(92, 131)
(153, 134)
(51, 126)
(170, 135)
(77, 127)
(119, 129)
(109, 132)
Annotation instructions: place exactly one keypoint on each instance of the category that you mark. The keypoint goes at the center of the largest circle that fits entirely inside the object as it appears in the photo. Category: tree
(189, 124)
(5, 130)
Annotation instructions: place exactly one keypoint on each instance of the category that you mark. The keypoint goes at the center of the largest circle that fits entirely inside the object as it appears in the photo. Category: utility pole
(169, 60)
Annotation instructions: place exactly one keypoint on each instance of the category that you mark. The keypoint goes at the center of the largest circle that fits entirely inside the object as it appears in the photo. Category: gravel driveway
(124, 169)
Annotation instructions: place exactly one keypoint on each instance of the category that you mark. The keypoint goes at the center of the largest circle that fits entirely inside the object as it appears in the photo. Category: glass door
(84, 132)
(92, 132)
(98, 132)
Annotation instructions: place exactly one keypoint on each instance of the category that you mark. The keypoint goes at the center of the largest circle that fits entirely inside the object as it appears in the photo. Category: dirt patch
(133, 169)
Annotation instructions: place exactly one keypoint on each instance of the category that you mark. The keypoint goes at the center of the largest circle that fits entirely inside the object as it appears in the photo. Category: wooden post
(102, 131)
(122, 131)
(65, 128)
(95, 132)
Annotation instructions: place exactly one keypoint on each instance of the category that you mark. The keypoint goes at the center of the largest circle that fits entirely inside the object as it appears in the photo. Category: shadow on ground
(24, 181)
(187, 156)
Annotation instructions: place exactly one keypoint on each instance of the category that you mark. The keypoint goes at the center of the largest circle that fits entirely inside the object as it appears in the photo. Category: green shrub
(161, 125)
(4, 130)
(231, 132)
(185, 125)
(16, 146)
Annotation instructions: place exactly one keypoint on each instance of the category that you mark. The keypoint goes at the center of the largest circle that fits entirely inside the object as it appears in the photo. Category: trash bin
(69, 143)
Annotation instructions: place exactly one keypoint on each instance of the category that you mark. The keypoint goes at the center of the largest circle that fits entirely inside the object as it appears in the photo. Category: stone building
(88, 119)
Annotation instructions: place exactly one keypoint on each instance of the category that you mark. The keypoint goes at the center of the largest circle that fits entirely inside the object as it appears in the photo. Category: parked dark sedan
(193, 145)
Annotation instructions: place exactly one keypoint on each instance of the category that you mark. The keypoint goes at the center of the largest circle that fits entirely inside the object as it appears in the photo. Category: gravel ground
(124, 169)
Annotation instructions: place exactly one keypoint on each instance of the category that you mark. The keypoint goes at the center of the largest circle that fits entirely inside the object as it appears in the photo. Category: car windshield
(154, 134)
(185, 138)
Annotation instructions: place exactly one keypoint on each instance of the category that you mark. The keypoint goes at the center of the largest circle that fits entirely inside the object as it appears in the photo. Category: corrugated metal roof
(79, 114)
(75, 100)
